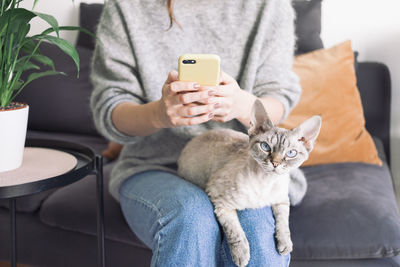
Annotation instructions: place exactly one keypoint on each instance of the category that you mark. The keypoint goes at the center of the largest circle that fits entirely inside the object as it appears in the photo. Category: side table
(82, 161)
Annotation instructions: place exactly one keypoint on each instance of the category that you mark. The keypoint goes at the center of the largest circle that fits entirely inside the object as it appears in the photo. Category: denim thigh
(173, 217)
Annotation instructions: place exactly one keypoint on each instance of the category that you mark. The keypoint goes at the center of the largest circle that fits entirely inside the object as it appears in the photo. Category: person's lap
(176, 220)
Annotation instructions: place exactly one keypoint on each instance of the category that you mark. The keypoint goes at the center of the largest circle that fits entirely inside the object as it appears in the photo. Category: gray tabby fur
(238, 174)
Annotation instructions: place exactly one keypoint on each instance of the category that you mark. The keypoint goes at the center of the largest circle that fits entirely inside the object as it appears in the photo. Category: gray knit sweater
(255, 40)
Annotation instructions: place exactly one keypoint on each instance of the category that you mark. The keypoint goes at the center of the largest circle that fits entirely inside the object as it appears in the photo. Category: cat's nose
(275, 163)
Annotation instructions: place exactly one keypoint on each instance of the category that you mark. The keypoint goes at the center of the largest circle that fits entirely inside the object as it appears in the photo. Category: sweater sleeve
(114, 74)
(275, 76)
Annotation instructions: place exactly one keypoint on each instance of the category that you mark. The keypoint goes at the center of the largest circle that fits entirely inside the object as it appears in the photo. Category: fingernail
(217, 105)
(210, 115)
(196, 85)
(211, 93)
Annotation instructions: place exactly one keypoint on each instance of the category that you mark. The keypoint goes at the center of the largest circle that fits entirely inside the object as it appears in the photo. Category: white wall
(65, 11)
(374, 28)
(372, 25)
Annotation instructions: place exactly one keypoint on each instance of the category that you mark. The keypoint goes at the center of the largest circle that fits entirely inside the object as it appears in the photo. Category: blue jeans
(176, 220)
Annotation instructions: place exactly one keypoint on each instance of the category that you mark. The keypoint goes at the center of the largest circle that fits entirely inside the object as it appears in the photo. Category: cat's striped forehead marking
(278, 139)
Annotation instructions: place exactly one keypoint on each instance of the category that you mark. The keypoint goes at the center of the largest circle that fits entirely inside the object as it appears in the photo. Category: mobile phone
(201, 68)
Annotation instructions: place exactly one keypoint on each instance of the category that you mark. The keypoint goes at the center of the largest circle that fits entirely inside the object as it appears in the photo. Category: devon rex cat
(240, 171)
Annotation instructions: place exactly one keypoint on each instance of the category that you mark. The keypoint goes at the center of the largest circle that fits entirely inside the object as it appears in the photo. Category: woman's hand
(231, 101)
(184, 103)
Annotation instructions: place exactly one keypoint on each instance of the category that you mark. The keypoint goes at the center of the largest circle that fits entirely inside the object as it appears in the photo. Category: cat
(240, 171)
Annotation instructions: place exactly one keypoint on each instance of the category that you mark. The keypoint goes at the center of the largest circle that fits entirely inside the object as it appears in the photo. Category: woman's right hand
(183, 104)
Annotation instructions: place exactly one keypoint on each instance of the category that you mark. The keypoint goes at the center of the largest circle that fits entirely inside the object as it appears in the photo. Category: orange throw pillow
(330, 89)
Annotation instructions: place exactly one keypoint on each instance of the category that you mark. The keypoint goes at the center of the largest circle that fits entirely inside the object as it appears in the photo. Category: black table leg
(13, 223)
(100, 211)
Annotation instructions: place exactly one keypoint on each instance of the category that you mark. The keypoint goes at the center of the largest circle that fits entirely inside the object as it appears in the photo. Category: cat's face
(280, 150)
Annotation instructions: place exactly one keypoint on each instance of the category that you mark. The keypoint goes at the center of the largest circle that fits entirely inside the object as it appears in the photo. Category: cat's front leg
(282, 231)
(238, 244)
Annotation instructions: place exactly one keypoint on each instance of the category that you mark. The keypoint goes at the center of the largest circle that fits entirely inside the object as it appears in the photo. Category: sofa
(349, 216)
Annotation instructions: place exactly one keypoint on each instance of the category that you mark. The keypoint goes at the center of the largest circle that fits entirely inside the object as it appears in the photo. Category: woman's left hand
(232, 102)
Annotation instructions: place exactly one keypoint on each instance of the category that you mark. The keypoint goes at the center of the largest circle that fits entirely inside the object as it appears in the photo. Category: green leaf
(50, 20)
(34, 53)
(10, 43)
(5, 4)
(44, 60)
(1, 53)
(28, 46)
(22, 32)
(16, 16)
(69, 28)
(18, 84)
(65, 46)
(3, 28)
(37, 75)
(34, 4)
(25, 65)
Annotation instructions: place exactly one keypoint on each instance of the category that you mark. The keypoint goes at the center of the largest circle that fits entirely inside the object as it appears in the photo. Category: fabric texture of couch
(349, 216)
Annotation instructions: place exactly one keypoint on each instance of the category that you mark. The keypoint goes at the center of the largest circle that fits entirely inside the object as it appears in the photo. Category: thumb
(172, 76)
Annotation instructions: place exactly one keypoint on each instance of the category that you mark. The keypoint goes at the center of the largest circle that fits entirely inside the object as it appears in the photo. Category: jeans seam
(146, 203)
(133, 197)
(157, 249)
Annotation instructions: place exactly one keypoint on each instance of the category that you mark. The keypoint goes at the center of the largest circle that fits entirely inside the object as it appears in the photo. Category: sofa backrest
(374, 84)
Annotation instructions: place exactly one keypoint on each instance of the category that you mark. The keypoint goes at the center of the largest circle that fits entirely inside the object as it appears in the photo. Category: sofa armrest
(373, 81)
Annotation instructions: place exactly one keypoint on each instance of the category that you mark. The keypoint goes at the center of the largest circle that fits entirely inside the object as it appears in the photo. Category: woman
(154, 118)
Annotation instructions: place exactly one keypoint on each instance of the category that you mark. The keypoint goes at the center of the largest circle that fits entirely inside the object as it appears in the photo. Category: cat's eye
(291, 153)
(265, 147)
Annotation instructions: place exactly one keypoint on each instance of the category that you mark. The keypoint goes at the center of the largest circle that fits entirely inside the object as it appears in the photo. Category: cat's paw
(284, 244)
(240, 251)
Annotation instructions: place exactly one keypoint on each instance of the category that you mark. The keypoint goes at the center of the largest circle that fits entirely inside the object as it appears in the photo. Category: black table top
(85, 156)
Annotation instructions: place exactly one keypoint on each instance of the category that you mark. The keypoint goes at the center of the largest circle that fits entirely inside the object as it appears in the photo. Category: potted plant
(19, 53)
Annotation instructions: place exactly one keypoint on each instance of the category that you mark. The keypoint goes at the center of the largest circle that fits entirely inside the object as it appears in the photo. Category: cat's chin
(273, 170)
(270, 169)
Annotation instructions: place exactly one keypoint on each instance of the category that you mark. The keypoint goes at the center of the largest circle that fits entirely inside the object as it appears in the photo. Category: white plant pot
(13, 125)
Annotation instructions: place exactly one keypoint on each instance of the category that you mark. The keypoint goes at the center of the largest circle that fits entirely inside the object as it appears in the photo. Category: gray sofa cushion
(349, 212)
(33, 202)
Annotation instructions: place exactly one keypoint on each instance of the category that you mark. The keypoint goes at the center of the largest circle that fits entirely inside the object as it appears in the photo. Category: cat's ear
(259, 119)
(308, 131)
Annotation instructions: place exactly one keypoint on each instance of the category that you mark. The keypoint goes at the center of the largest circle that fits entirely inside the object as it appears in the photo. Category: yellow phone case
(205, 70)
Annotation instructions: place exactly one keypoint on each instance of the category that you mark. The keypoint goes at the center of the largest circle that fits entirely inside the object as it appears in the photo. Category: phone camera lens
(188, 61)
